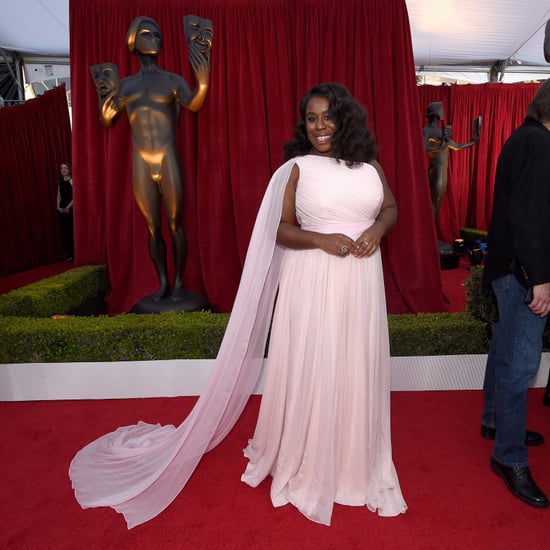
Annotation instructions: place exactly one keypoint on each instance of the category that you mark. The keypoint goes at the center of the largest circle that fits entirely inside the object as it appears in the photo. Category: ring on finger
(344, 250)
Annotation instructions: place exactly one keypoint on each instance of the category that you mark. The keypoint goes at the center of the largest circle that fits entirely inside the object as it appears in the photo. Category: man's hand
(541, 300)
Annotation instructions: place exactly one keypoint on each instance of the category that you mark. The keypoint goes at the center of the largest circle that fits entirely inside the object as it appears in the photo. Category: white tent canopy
(460, 37)
(465, 39)
(36, 27)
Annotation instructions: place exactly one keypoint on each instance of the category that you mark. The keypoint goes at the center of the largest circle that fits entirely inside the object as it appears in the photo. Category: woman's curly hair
(352, 140)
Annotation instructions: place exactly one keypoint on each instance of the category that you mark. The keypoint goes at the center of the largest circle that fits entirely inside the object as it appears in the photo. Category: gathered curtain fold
(35, 139)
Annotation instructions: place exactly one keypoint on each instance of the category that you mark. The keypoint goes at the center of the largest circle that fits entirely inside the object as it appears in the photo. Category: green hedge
(130, 337)
(470, 235)
(34, 329)
(56, 295)
(436, 334)
(198, 335)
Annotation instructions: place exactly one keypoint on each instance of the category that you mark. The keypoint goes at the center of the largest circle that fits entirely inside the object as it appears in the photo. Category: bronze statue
(437, 143)
(151, 99)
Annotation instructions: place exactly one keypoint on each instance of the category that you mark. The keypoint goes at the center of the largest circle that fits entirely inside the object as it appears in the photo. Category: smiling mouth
(322, 139)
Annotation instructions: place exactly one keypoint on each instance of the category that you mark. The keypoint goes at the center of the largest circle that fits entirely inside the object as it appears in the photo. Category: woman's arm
(70, 205)
(370, 239)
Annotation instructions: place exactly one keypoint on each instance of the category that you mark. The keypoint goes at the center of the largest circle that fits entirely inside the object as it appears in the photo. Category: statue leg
(172, 192)
(435, 204)
(437, 176)
(148, 198)
(440, 194)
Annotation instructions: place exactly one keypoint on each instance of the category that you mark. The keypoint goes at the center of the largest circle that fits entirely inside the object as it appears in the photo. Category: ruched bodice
(331, 194)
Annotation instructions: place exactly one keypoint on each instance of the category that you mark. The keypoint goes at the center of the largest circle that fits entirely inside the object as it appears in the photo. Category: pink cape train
(139, 470)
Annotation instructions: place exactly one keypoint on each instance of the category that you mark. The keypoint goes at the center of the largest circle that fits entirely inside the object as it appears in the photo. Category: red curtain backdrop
(266, 55)
(469, 198)
(35, 139)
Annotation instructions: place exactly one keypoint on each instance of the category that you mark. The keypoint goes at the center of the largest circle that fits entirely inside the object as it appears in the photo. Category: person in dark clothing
(65, 209)
(518, 268)
(546, 49)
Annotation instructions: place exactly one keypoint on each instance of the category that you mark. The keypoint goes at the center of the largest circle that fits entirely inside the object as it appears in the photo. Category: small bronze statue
(437, 143)
(151, 99)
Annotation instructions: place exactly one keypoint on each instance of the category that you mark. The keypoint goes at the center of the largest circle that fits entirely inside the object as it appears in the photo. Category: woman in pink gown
(323, 431)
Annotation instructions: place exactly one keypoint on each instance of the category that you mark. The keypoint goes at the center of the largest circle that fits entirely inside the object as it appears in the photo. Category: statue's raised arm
(453, 146)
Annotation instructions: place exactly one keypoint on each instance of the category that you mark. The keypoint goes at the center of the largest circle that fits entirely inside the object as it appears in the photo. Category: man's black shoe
(531, 438)
(520, 483)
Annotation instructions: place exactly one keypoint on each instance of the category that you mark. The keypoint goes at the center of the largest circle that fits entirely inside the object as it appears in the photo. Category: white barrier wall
(122, 380)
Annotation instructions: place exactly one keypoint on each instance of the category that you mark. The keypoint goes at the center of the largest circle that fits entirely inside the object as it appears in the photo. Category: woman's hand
(368, 242)
(336, 244)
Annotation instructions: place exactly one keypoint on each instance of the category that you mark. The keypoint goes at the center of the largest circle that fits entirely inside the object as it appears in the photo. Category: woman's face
(65, 170)
(319, 126)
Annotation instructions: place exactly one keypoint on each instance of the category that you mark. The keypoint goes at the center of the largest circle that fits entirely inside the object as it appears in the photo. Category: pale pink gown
(323, 432)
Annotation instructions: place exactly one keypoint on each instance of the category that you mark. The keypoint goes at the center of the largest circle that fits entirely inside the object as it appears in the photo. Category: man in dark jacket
(518, 268)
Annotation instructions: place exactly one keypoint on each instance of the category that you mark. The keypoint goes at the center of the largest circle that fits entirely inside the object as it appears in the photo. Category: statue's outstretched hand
(199, 64)
(109, 109)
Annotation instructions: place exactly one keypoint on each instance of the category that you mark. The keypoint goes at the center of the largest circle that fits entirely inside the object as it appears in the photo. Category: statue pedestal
(187, 300)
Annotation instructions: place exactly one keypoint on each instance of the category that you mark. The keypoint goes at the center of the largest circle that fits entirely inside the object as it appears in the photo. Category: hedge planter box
(35, 327)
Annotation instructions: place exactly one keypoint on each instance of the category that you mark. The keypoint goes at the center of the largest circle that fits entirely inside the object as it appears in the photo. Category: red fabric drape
(265, 57)
(35, 138)
(469, 197)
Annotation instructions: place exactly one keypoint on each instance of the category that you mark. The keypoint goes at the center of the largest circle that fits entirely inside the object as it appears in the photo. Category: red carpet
(454, 288)
(454, 500)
